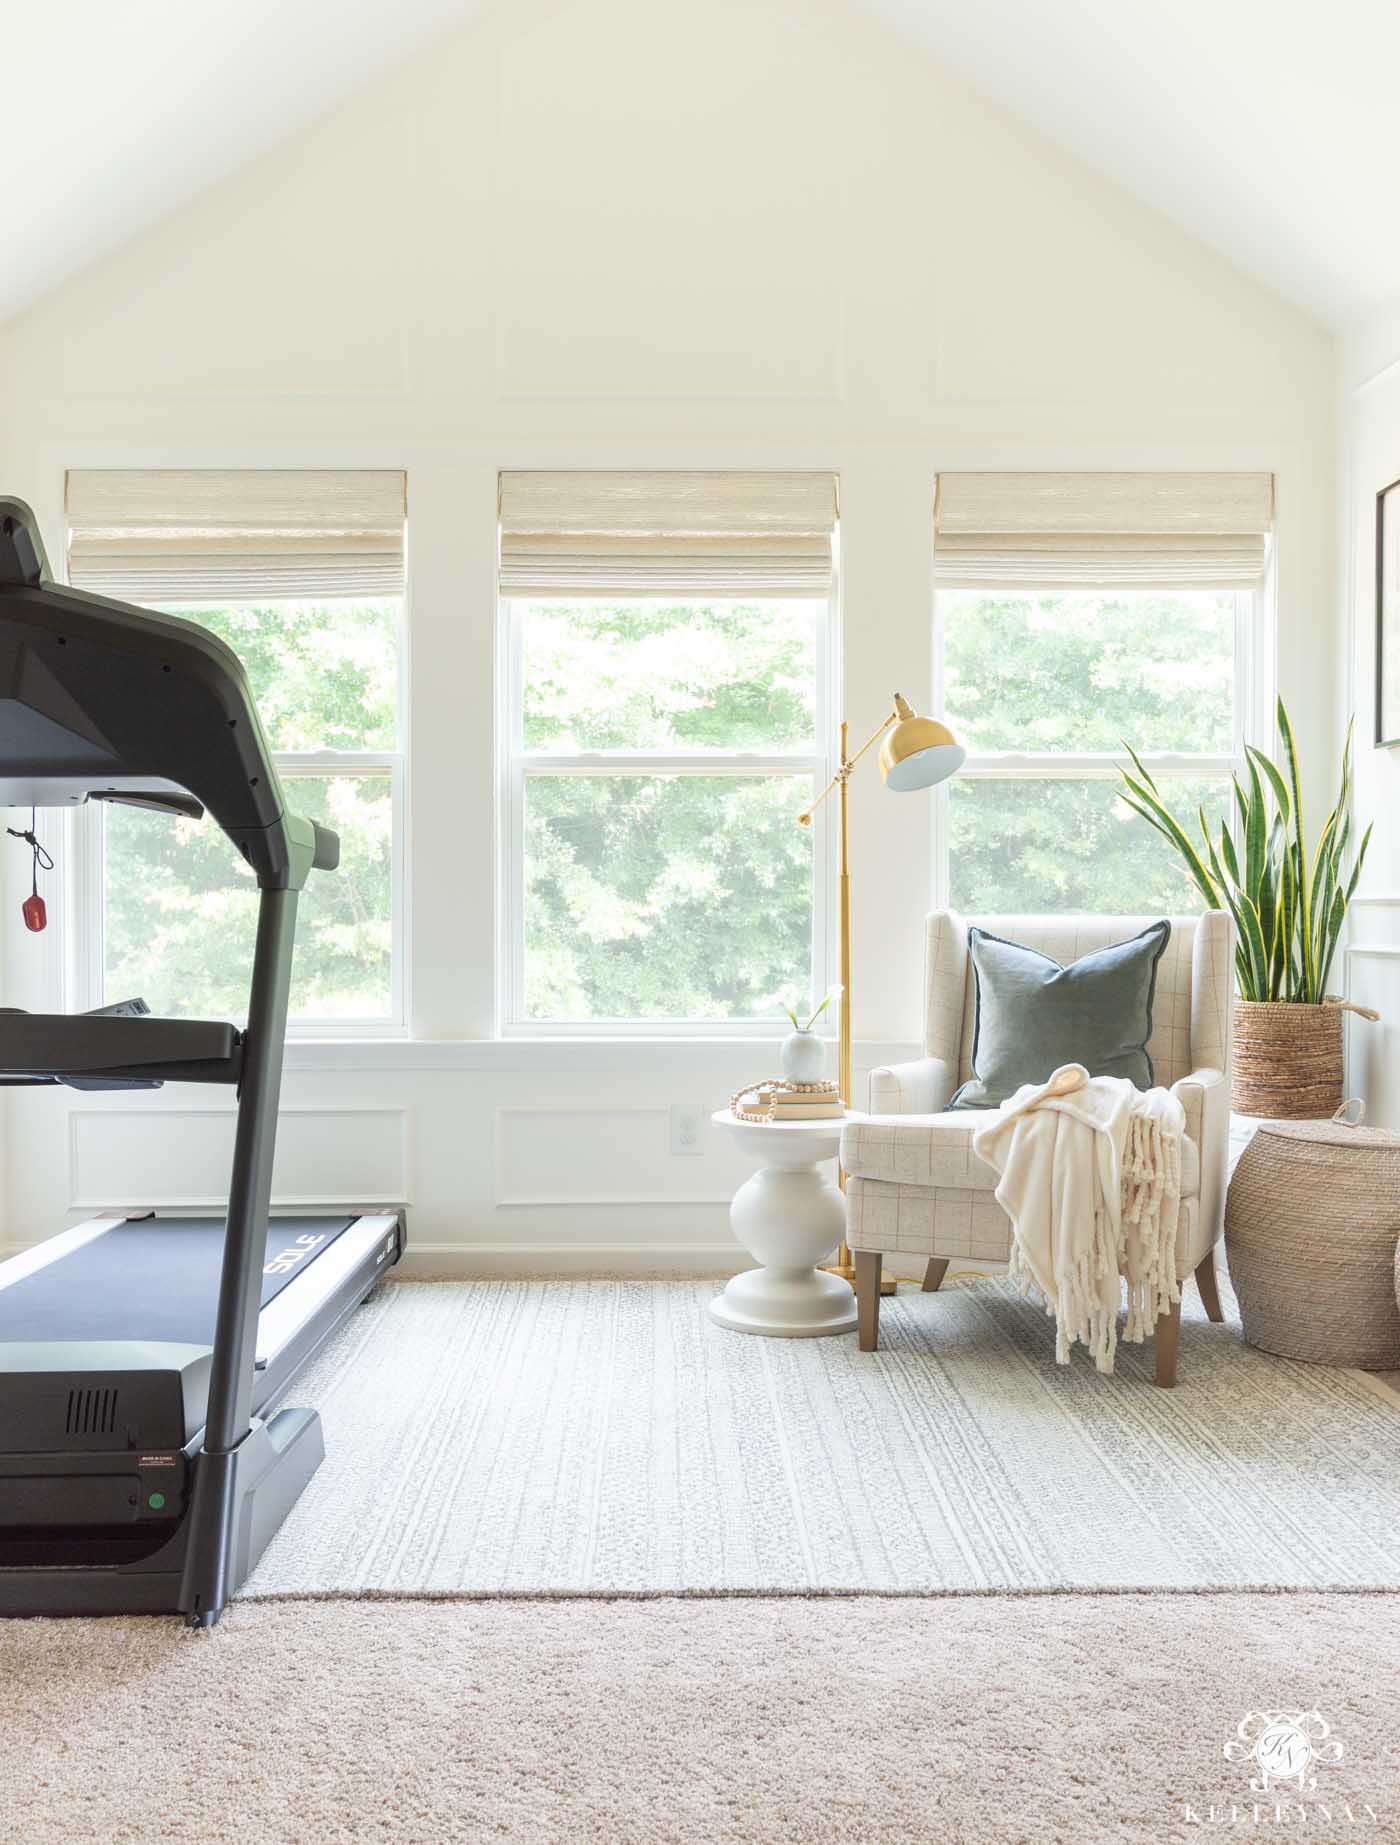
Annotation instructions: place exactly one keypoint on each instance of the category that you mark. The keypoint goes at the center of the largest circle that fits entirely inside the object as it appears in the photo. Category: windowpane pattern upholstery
(941, 1154)
(963, 1225)
(915, 1186)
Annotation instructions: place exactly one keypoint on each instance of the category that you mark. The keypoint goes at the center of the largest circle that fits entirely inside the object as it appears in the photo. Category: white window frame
(90, 971)
(1255, 678)
(515, 763)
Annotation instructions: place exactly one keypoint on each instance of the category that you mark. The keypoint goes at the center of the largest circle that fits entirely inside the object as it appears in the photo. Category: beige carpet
(983, 1720)
(591, 1436)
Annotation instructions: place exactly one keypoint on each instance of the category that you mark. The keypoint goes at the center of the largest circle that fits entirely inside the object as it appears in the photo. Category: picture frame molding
(1393, 487)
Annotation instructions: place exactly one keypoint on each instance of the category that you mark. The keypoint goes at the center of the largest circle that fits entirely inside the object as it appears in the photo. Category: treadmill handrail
(122, 700)
(58, 1045)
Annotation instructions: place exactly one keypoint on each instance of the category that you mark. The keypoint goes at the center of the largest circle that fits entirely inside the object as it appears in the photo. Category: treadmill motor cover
(107, 1347)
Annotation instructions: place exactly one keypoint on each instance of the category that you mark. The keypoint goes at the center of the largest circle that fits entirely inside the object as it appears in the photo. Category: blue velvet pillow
(1033, 1015)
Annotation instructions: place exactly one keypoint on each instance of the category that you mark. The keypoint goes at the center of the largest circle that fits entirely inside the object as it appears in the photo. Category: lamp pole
(843, 1265)
(920, 752)
(845, 1077)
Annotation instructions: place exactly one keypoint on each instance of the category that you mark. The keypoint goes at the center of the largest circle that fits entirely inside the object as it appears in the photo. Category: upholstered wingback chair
(916, 1188)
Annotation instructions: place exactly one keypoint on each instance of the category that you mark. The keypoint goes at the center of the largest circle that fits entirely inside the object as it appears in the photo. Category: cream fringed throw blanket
(1091, 1180)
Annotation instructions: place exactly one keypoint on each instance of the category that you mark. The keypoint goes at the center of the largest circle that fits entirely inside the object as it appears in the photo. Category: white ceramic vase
(803, 1057)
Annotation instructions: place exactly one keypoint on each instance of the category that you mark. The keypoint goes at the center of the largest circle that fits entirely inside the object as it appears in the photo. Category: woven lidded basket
(1287, 1060)
(1311, 1224)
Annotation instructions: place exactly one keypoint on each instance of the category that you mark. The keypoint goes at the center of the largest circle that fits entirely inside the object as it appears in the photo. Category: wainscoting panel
(1373, 979)
(179, 1158)
(613, 1154)
(515, 1157)
(745, 208)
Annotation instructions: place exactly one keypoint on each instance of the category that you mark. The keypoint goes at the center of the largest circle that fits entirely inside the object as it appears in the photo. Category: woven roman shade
(634, 534)
(1085, 531)
(172, 534)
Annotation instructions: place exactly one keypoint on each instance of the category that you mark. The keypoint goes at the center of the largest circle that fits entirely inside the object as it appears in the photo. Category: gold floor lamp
(917, 753)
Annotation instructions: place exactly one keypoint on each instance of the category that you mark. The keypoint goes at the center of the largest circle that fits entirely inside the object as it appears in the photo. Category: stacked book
(808, 1104)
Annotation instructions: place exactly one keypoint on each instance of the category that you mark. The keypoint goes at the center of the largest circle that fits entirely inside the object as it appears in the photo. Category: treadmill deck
(150, 1279)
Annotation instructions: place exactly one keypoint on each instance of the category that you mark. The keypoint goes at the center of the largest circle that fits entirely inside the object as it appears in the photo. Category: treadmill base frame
(238, 1498)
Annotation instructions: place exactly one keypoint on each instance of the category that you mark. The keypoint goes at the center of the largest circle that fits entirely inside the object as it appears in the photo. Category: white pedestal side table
(788, 1215)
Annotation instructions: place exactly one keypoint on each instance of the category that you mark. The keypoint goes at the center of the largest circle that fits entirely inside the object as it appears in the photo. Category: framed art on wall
(1388, 614)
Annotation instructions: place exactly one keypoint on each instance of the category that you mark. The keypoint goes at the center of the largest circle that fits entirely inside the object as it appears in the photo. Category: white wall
(1369, 422)
(9, 483)
(748, 234)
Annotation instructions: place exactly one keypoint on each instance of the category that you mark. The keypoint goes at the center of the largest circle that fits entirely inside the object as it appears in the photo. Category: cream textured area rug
(590, 1436)
(1096, 1720)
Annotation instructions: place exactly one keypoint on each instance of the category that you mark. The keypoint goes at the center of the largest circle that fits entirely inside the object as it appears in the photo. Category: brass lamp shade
(917, 751)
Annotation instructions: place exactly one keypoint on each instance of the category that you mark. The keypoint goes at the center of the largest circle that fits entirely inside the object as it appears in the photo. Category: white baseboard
(463, 1261)
(460, 1261)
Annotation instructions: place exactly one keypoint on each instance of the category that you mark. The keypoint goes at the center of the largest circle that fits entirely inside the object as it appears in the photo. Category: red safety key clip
(33, 909)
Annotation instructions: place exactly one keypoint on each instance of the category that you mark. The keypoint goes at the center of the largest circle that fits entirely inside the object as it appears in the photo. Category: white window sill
(758, 1056)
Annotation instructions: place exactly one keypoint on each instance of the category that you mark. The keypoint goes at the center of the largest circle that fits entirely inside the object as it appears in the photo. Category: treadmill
(146, 1456)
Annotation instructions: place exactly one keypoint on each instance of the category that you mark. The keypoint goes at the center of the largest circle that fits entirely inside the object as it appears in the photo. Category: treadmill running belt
(155, 1278)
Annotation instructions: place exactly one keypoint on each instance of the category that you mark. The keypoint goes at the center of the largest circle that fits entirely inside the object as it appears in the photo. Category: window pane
(1085, 672)
(324, 675)
(666, 896)
(182, 905)
(653, 675)
(1070, 846)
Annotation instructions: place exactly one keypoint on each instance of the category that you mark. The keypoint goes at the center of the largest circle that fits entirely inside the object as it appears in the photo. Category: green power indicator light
(156, 1501)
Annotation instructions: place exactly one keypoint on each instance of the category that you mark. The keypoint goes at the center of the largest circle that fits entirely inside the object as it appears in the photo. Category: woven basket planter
(1287, 1060)
(1311, 1224)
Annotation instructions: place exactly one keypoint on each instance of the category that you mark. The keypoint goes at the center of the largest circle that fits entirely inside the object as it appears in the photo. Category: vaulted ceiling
(117, 111)
(1268, 128)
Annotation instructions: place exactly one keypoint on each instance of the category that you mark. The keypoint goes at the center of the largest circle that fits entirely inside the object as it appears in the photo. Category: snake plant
(1288, 906)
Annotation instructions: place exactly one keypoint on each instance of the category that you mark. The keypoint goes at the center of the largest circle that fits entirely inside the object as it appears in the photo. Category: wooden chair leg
(934, 1273)
(868, 1265)
(1166, 1336)
(1210, 1287)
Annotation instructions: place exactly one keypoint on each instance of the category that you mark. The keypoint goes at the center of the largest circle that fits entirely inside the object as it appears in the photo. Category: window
(1042, 689)
(659, 748)
(177, 904)
(663, 750)
(1046, 680)
(180, 905)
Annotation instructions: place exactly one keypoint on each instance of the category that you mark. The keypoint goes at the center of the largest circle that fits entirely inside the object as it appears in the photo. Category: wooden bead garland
(763, 1092)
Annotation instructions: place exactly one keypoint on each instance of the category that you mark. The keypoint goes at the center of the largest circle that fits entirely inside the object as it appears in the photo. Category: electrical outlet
(687, 1127)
